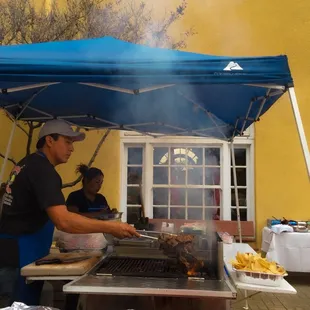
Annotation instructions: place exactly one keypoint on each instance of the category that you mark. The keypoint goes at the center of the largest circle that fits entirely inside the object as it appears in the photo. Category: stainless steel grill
(148, 267)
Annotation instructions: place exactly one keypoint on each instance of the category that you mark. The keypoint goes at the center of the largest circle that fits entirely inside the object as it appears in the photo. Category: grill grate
(141, 267)
(149, 267)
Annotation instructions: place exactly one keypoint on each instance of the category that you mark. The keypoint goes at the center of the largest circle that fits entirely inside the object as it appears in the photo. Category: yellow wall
(18, 145)
(240, 28)
(256, 28)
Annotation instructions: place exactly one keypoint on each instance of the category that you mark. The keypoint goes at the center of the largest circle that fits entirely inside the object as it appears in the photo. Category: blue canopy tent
(108, 83)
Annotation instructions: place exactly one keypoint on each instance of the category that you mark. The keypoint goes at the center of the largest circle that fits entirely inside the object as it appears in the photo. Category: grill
(148, 267)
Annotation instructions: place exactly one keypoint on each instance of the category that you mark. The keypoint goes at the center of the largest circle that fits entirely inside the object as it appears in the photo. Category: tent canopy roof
(111, 83)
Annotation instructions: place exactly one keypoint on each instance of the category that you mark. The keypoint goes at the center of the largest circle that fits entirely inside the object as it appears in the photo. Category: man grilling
(33, 204)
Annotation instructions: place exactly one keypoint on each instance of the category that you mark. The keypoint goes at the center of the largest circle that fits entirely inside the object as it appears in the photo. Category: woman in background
(87, 201)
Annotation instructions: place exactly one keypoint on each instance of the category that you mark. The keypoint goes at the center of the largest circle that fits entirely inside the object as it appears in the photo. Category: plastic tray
(259, 278)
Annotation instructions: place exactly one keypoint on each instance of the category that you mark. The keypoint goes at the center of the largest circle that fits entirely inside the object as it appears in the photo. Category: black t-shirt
(79, 200)
(33, 186)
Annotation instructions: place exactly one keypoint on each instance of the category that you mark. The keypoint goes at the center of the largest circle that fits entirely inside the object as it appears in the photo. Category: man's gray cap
(62, 128)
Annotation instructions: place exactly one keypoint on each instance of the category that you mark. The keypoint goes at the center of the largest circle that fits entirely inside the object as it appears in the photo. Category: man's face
(60, 149)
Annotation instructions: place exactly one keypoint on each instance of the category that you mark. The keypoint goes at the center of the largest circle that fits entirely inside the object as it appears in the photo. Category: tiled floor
(263, 301)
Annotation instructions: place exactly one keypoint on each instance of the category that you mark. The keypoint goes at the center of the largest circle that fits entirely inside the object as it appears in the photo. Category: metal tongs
(142, 234)
(148, 237)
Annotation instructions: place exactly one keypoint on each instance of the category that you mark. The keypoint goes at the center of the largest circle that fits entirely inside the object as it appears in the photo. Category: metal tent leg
(246, 306)
(7, 152)
(236, 189)
(300, 128)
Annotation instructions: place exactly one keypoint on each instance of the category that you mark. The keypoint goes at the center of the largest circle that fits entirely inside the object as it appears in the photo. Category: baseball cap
(62, 128)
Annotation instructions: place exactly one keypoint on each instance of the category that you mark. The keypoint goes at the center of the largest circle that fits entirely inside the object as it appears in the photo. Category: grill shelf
(144, 267)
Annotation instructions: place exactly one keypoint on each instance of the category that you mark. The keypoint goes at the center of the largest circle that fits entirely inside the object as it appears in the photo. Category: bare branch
(91, 161)
(32, 128)
(9, 159)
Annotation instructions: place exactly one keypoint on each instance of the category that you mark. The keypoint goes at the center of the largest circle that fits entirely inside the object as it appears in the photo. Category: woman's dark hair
(41, 142)
(88, 173)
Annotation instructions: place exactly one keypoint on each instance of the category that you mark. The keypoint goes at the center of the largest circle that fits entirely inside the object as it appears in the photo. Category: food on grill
(174, 244)
(181, 247)
(254, 262)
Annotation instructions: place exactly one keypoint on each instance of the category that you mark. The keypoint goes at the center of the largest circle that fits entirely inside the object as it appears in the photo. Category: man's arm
(73, 223)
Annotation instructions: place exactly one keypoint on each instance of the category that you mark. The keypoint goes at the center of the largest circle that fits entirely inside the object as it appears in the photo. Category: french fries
(255, 263)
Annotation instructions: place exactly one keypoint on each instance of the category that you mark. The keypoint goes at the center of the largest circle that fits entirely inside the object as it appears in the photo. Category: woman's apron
(30, 247)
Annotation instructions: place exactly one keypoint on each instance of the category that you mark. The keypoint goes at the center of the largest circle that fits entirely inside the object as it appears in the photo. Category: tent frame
(272, 90)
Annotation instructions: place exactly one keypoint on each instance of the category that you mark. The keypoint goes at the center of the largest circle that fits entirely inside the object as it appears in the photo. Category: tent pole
(236, 188)
(8, 150)
(300, 128)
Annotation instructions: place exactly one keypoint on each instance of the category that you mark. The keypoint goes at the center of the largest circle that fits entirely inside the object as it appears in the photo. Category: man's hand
(122, 230)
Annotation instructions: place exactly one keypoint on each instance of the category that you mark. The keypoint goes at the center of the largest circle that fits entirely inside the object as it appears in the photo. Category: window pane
(243, 214)
(194, 156)
(177, 196)
(135, 155)
(133, 214)
(134, 175)
(194, 197)
(213, 176)
(160, 213)
(240, 157)
(177, 175)
(177, 213)
(160, 196)
(194, 213)
(212, 197)
(241, 176)
(194, 176)
(212, 214)
(133, 195)
(212, 156)
(161, 156)
(178, 156)
(160, 175)
(242, 197)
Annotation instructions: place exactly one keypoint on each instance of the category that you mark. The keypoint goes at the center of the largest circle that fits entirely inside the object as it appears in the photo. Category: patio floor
(264, 301)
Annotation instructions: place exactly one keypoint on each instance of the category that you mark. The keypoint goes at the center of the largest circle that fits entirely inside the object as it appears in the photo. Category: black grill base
(147, 267)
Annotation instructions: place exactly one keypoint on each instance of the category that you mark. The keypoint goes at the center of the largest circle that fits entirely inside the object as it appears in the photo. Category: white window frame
(133, 139)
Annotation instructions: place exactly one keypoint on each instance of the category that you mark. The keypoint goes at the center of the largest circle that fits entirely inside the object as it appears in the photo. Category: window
(186, 182)
(186, 178)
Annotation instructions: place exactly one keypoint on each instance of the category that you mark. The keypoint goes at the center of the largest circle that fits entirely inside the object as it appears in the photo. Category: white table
(230, 251)
(289, 249)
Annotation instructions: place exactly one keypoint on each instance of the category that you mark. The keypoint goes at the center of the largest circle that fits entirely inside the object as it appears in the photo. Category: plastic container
(259, 278)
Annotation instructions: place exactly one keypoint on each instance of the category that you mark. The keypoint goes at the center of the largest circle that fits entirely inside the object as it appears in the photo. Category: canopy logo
(232, 66)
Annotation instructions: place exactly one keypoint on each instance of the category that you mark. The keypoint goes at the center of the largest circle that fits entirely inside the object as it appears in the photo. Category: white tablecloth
(289, 249)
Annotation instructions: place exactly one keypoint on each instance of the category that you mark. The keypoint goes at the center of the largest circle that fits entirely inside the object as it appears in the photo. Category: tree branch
(91, 161)
(32, 127)
(9, 159)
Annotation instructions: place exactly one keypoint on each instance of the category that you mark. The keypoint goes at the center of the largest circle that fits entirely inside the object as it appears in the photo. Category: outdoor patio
(264, 301)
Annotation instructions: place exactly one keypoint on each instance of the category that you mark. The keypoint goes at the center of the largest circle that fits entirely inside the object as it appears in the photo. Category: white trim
(226, 192)
(147, 179)
(123, 177)
(147, 142)
(250, 180)
(300, 128)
